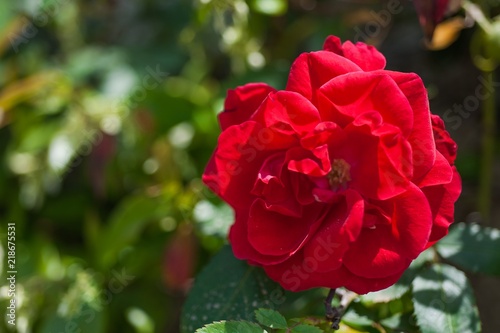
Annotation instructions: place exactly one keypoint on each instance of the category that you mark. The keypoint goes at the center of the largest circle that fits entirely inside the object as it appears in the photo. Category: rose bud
(430, 13)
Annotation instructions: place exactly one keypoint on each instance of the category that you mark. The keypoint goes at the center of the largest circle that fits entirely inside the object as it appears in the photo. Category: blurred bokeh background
(108, 116)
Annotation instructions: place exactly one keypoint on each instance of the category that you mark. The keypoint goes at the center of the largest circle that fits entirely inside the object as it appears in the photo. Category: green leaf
(38, 137)
(403, 285)
(319, 322)
(473, 248)
(125, 225)
(140, 320)
(306, 329)
(360, 318)
(231, 327)
(6, 13)
(228, 289)
(212, 219)
(444, 302)
(401, 322)
(87, 319)
(270, 318)
(270, 7)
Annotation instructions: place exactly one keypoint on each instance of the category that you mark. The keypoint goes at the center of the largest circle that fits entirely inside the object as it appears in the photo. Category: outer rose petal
(349, 96)
(362, 285)
(440, 173)
(421, 139)
(242, 102)
(367, 57)
(233, 168)
(287, 112)
(412, 221)
(387, 250)
(298, 273)
(444, 143)
(442, 200)
(311, 70)
(376, 254)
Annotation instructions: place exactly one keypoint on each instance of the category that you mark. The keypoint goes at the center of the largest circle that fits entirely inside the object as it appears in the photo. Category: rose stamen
(340, 174)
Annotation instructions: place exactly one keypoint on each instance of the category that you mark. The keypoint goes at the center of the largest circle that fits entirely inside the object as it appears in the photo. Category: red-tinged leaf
(180, 259)
(430, 13)
(104, 148)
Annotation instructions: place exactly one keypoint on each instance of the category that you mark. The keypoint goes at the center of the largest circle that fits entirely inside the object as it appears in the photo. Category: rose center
(340, 173)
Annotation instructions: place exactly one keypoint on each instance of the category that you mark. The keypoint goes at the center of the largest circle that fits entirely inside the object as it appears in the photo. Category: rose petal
(440, 173)
(341, 226)
(311, 70)
(442, 200)
(242, 249)
(377, 160)
(375, 254)
(287, 112)
(421, 139)
(242, 102)
(444, 143)
(274, 187)
(412, 221)
(367, 57)
(302, 188)
(298, 273)
(346, 97)
(321, 135)
(387, 250)
(265, 228)
(362, 285)
(234, 166)
(315, 162)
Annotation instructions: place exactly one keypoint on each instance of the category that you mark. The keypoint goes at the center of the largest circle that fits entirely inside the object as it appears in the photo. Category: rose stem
(486, 179)
(489, 124)
(487, 64)
(333, 314)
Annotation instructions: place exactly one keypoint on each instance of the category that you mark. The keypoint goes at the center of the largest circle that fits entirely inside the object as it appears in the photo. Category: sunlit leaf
(270, 318)
(212, 219)
(444, 301)
(401, 322)
(140, 320)
(305, 329)
(231, 327)
(360, 319)
(472, 247)
(270, 7)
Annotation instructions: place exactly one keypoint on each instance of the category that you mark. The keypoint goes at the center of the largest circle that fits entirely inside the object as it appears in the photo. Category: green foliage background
(107, 119)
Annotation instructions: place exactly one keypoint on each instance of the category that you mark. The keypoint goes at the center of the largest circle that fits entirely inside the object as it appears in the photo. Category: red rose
(337, 180)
